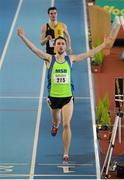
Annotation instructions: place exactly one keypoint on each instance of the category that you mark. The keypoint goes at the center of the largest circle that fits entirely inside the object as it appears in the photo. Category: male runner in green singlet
(60, 86)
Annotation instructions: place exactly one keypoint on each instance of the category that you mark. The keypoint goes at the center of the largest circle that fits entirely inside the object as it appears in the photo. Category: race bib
(61, 78)
(51, 42)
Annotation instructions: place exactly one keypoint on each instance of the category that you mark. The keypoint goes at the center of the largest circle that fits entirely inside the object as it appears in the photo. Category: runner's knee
(66, 125)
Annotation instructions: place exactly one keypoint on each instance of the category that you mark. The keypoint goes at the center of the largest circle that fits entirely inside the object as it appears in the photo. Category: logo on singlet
(61, 76)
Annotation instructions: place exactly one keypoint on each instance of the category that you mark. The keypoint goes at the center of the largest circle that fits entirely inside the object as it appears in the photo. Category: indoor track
(27, 149)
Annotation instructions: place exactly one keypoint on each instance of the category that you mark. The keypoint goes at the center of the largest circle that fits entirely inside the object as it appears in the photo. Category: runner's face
(53, 15)
(60, 46)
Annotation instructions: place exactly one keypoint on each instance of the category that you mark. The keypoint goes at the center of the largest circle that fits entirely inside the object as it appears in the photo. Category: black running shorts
(58, 103)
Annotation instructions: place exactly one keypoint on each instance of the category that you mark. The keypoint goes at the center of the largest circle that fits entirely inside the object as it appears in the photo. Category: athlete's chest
(61, 73)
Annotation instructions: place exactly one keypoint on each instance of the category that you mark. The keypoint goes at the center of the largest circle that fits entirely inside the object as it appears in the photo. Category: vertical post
(112, 142)
(119, 92)
(119, 101)
(117, 124)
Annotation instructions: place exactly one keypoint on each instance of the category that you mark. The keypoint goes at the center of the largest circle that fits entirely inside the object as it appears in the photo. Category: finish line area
(27, 149)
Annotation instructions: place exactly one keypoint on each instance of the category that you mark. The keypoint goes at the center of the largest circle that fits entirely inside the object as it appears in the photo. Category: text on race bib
(51, 42)
(61, 78)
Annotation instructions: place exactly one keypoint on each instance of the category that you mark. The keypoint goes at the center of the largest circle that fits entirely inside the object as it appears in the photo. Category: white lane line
(36, 97)
(52, 3)
(62, 175)
(20, 97)
(17, 109)
(47, 175)
(69, 164)
(91, 97)
(10, 34)
(13, 175)
(34, 153)
(46, 164)
(14, 164)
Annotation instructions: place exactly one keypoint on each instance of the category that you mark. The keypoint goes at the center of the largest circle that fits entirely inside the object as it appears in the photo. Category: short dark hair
(52, 8)
(60, 37)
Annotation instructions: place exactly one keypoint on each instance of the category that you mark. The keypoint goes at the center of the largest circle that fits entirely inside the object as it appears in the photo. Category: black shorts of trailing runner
(58, 103)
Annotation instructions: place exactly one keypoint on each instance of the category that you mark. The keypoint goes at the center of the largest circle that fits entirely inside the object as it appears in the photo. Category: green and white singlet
(60, 78)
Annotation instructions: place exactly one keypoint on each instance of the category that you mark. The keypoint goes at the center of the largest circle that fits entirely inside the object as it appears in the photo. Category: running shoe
(66, 158)
(54, 131)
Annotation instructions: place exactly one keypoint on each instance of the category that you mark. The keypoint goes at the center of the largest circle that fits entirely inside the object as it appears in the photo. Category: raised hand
(107, 40)
(49, 37)
(20, 32)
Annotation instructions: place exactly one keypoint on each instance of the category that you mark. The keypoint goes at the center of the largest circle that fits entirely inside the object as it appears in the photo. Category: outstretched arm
(67, 38)
(33, 48)
(43, 37)
(92, 52)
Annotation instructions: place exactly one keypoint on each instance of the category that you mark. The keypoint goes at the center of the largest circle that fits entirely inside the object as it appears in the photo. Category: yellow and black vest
(54, 32)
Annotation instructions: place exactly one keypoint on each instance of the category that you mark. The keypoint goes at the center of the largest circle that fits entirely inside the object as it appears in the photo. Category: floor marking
(47, 175)
(38, 118)
(66, 169)
(14, 175)
(92, 100)
(34, 153)
(6, 168)
(52, 3)
(19, 109)
(47, 164)
(15, 164)
(35, 97)
(10, 34)
(69, 164)
(62, 175)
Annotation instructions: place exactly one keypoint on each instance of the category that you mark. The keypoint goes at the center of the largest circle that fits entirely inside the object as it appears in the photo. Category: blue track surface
(20, 86)
(7, 13)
